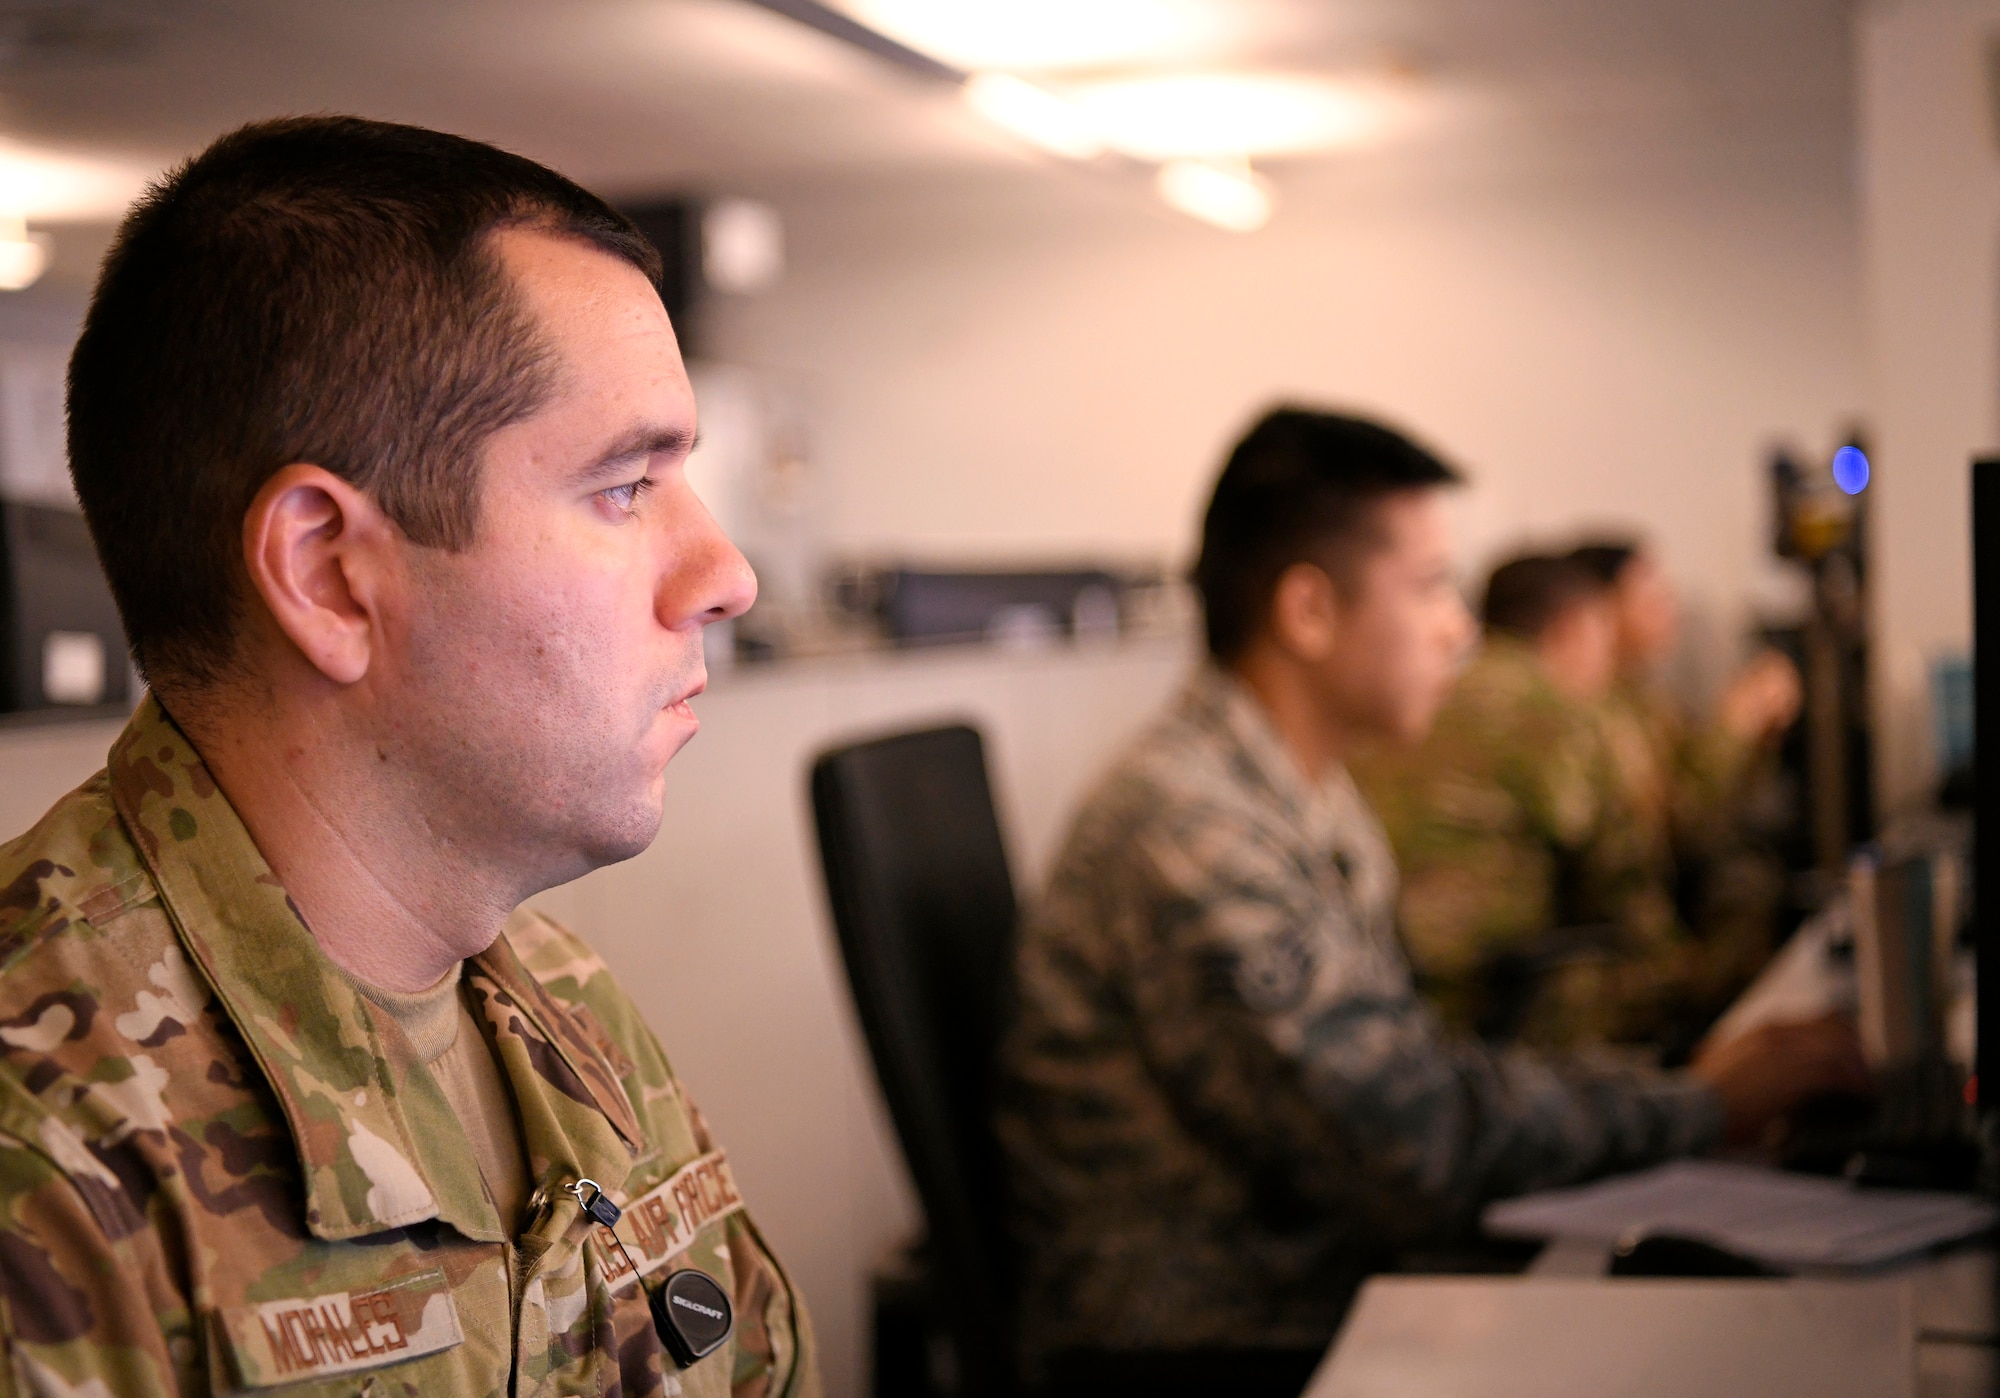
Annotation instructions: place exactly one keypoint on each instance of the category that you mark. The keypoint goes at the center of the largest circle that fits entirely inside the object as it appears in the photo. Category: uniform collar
(1226, 705)
(339, 1072)
(1328, 817)
(1514, 659)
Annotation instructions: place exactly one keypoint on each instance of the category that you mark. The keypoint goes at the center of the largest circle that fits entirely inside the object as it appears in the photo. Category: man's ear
(318, 551)
(1305, 612)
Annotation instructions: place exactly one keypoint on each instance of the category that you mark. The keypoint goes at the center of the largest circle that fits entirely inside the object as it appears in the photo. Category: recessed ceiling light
(1206, 115)
(1050, 34)
(1228, 196)
(1034, 115)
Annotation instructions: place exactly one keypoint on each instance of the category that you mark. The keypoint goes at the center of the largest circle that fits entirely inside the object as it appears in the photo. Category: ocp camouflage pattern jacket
(222, 1171)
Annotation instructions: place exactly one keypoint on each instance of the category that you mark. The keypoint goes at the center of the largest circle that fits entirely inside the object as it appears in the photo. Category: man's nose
(706, 578)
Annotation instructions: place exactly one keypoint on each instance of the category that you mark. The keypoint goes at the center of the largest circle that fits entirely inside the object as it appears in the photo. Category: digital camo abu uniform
(222, 1170)
(1222, 1100)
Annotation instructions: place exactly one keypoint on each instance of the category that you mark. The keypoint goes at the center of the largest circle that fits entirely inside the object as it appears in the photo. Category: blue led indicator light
(1850, 470)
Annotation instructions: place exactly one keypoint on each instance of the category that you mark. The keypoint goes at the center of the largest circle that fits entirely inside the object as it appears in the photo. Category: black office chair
(923, 902)
(924, 905)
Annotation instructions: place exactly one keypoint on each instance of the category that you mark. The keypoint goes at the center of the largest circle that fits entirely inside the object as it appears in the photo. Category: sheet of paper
(1788, 1221)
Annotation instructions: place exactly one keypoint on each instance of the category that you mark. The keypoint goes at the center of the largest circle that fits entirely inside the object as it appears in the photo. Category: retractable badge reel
(690, 1309)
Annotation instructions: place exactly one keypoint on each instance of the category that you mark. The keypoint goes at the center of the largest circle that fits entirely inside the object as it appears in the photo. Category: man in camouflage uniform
(1689, 783)
(1535, 904)
(282, 1105)
(1222, 1099)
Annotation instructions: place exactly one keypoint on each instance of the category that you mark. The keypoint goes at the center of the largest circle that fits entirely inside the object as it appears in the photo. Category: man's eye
(626, 497)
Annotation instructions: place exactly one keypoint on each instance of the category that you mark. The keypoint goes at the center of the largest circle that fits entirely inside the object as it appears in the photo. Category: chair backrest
(923, 902)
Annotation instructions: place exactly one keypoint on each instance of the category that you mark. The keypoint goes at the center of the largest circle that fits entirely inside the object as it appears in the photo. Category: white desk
(1548, 1337)
(1564, 1328)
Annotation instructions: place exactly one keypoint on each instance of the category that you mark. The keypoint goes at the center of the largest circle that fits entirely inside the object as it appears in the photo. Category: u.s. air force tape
(662, 1223)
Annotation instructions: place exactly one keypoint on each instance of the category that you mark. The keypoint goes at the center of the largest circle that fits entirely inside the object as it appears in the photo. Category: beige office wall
(1056, 369)
(1931, 234)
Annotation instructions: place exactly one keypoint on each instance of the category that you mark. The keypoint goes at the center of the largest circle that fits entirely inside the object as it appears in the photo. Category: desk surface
(1545, 1337)
(1926, 1329)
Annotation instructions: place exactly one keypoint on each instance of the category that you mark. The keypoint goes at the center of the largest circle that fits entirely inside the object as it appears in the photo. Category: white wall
(1057, 368)
(1931, 226)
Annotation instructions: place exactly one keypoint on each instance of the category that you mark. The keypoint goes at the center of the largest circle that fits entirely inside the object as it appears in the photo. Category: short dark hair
(1605, 559)
(1526, 595)
(1302, 486)
(314, 289)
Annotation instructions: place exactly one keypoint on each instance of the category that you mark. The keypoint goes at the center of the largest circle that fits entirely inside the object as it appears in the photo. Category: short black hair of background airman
(1302, 486)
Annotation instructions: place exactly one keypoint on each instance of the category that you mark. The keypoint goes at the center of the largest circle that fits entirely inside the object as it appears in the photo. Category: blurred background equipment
(1821, 526)
(922, 607)
(62, 648)
(63, 645)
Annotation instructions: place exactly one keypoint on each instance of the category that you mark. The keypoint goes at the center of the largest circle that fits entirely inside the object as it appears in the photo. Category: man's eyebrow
(637, 444)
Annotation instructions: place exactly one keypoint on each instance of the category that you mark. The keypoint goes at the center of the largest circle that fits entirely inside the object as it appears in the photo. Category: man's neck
(388, 899)
(1318, 744)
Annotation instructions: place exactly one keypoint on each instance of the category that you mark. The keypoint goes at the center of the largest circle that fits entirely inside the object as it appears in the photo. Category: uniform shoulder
(1502, 679)
(1181, 808)
(75, 869)
(1182, 762)
(1506, 702)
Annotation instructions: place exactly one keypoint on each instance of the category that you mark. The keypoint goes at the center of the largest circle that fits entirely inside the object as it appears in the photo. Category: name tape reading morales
(316, 1336)
(661, 1223)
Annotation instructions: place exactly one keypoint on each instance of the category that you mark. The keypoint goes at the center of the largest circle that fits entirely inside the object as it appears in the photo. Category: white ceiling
(649, 95)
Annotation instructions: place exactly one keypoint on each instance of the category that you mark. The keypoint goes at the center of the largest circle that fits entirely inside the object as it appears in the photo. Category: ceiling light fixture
(1045, 35)
(1219, 115)
(1198, 129)
(1034, 114)
(1229, 196)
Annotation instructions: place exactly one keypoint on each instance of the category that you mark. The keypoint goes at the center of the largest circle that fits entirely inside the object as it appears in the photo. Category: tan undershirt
(440, 1026)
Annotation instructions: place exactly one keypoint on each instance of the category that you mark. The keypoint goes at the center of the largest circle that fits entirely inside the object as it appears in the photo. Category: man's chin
(626, 840)
(618, 831)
